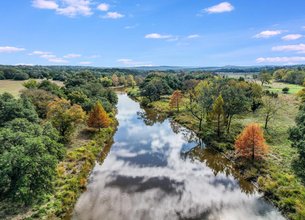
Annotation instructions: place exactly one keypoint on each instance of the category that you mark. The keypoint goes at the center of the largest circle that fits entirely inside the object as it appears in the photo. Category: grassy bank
(276, 176)
(69, 183)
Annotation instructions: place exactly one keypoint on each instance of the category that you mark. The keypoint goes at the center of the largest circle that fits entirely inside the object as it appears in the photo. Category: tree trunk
(266, 122)
(229, 124)
(218, 126)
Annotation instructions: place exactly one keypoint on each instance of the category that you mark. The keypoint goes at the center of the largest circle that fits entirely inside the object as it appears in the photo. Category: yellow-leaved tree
(98, 117)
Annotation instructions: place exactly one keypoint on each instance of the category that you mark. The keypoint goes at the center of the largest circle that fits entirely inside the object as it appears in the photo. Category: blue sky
(126, 33)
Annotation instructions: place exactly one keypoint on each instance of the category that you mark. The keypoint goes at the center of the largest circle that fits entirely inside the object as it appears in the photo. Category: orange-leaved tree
(176, 100)
(251, 142)
(98, 117)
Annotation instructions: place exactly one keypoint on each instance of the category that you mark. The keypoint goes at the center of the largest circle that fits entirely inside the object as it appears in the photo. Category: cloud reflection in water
(145, 177)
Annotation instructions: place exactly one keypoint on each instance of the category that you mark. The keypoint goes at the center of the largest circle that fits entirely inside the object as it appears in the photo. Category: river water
(156, 169)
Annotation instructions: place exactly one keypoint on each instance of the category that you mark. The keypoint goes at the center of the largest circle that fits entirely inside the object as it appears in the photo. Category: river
(156, 169)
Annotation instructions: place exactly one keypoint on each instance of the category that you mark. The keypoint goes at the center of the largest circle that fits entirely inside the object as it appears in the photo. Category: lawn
(278, 86)
(14, 87)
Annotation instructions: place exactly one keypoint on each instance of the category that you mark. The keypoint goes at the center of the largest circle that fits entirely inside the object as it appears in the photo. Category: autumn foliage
(251, 142)
(98, 117)
(176, 99)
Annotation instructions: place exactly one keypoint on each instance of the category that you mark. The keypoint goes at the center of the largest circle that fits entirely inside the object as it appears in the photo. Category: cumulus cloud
(300, 48)
(280, 60)
(158, 36)
(193, 36)
(72, 55)
(45, 4)
(130, 62)
(68, 8)
(57, 60)
(103, 7)
(48, 56)
(113, 15)
(8, 49)
(220, 8)
(268, 34)
(292, 37)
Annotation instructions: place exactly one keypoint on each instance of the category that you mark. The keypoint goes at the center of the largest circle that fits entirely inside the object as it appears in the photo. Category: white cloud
(158, 36)
(268, 34)
(280, 60)
(45, 4)
(68, 8)
(103, 7)
(40, 53)
(57, 60)
(130, 62)
(72, 55)
(220, 8)
(48, 56)
(8, 49)
(300, 48)
(292, 37)
(193, 36)
(113, 15)
(85, 63)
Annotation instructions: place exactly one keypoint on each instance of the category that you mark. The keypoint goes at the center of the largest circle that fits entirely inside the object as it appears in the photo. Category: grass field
(277, 87)
(14, 87)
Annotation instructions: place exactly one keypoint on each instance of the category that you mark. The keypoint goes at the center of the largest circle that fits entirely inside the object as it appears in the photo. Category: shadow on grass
(298, 166)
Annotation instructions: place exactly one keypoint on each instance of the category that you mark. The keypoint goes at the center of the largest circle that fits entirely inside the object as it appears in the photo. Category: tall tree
(271, 107)
(115, 80)
(251, 142)
(265, 77)
(98, 118)
(130, 81)
(176, 99)
(218, 114)
(297, 134)
(65, 116)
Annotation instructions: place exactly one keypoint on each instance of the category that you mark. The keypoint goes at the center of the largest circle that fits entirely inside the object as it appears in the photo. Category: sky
(128, 33)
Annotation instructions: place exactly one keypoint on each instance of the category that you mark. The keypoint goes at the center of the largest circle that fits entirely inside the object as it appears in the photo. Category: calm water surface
(150, 173)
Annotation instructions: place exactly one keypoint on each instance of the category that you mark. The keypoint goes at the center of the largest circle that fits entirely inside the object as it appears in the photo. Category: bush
(285, 90)
(21, 76)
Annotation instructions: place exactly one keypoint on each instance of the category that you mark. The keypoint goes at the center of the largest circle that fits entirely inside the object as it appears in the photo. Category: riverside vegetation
(218, 108)
(52, 134)
(43, 169)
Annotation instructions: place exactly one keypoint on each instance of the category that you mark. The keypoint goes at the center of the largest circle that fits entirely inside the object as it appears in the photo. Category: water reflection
(150, 173)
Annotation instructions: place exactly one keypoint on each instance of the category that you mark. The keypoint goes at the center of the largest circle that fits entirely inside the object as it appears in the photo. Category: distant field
(277, 87)
(14, 87)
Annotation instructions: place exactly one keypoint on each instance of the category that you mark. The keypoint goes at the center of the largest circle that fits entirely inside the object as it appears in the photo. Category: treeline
(37, 128)
(287, 75)
(60, 73)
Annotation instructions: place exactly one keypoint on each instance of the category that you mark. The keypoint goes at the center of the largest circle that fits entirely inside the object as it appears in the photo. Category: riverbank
(275, 176)
(69, 183)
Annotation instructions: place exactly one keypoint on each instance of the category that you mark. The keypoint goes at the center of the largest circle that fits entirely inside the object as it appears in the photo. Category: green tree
(130, 81)
(11, 108)
(297, 134)
(40, 99)
(218, 114)
(65, 117)
(265, 77)
(28, 157)
(271, 107)
(31, 84)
